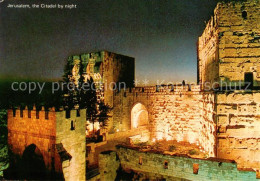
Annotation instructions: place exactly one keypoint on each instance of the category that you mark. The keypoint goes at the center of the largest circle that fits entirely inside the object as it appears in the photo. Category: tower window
(244, 14)
(78, 113)
(72, 125)
(249, 80)
(165, 164)
(14, 112)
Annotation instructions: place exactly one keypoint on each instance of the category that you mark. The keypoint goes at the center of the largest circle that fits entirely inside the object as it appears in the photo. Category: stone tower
(229, 58)
(228, 49)
(108, 70)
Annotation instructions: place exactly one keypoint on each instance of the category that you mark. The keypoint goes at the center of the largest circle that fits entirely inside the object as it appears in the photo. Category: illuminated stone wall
(117, 69)
(229, 45)
(227, 50)
(70, 132)
(24, 131)
(208, 55)
(238, 118)
(239, 33)
(207, 133)
(46, 132)
(154, 166)
(180, 115)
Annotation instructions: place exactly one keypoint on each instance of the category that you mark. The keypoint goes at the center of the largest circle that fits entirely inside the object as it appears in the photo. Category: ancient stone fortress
(58, 135)
(220, 115)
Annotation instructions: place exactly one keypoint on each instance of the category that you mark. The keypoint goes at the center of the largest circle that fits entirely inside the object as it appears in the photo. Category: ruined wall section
(70, 137)
(28, 127)
(238, 119)
(108, 165)
(208, 55)
(154, 166)
(173, 114)
(239, 38)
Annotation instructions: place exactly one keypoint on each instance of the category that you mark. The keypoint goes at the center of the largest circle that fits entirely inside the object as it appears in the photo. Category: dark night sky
(160, 34)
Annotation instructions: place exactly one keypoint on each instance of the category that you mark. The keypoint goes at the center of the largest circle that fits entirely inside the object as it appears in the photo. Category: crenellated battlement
(33, 113)
(45, 114)
(71, 114)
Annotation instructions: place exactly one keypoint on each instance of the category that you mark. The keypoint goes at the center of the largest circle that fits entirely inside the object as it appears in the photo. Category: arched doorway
(139, 116)
(32, 163)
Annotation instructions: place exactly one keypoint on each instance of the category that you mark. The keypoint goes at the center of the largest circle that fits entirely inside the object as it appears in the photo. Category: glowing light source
(90, 127)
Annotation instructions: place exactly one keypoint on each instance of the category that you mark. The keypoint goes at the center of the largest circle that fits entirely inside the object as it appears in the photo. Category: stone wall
(180, 114)
(239, 35)
(70, 133)
(238, 119)
(26, 128)
(229, 46)
(108, 165)
(157, 166)
(207, 132)
(118, 71)
(208, 55)
(227, 50)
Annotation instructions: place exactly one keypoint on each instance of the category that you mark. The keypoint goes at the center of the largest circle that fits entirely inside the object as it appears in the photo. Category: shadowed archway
(139, 116)
(33, 163)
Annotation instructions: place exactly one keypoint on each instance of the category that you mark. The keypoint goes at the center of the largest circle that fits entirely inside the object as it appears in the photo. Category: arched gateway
(139, 116)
